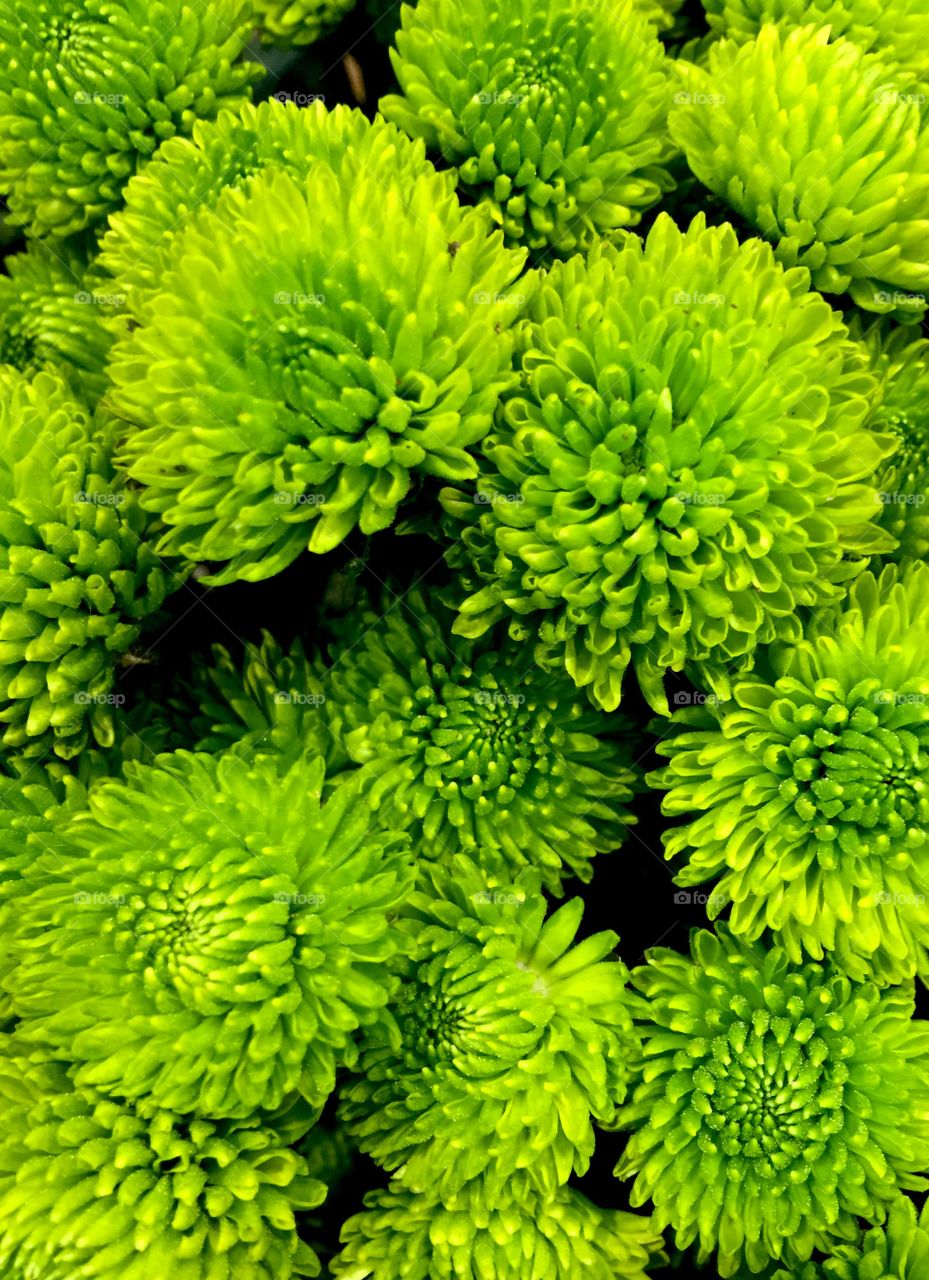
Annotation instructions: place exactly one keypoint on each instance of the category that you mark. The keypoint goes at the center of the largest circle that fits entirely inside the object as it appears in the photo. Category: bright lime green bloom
(91, 87)
(554, 114)
(777, 1103)
(807, 791)
(899, 1250)
(52, 305)
(188, 176)
(298, 22)
(900, 360)
(215, 937)
(400, 1236)
(682, 468)
(514, 1040)
(97, 1189)
(816, 146)
(272, 702)
(77, 580)
(898, 30)
(286, 398)
(475, 749)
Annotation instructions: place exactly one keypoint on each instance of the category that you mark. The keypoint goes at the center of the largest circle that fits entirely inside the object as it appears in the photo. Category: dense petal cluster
(777, 1103)
(816, 146)
(900, 360)
(187, 178)
(52, 304)
(808, 790)
(214, 938)
(273, 701)
(514, 1040)
(96, 1188)
(77, 579)
(553, 113)
(475, 749)
(91, 87)
(400, 1236)
(896, 29)
(281, 400)
(298, 22)
(684, 465)
(899, 1250)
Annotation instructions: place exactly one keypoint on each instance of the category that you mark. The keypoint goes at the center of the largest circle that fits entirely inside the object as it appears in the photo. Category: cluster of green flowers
(318, 897)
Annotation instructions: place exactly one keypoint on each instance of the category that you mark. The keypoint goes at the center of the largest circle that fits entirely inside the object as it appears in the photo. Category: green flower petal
(514, 1040)
(776, 1104)
(554, 114)
(92, 1187)
(682, 468)
(214, 937)
(400, 1236)
(807, 790)
(286, 398)
(473, 748)
(816, 145)
(90, 89)
(76, 578)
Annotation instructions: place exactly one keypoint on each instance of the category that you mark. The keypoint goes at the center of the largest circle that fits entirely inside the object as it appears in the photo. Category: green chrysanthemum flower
(299, 22)
(76, 579)
(901, 363)
(400, 1236)
(896, 29)
(808, 790)
(514, 1040)
(897, 1251)
(554, 114)
(96, 1188)
(214, 939)
(285, 399)
(474, 749)
(815, 145)
(272, 702)
(90, 89)
(682, 468)
(777, 1103)
(188, 176)
(51, 307)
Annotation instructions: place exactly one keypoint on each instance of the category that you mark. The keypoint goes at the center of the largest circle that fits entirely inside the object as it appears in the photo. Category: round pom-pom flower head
(776, 1104)
(215, 938)
(401, 1236)
(283, 399)
(91, 87)
(273, 702)
(815, 145)
(187, 177)
(473, 748)
(554, 114)
(97, 1189)
(514, 1039)
(52, 305)
(897, 30)
(76, 578)
(808, 790)
(683, 466)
